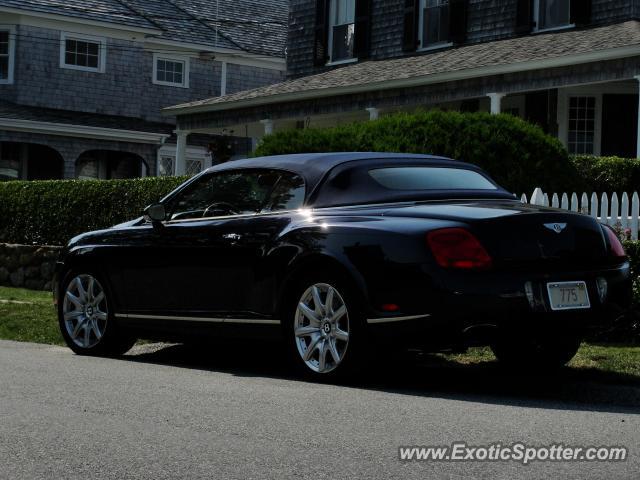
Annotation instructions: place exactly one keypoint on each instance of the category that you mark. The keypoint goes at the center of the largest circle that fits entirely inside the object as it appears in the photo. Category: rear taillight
(615, 246)
(458, 248)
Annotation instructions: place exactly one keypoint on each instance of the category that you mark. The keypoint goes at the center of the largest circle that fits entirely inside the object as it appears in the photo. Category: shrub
(519, 155)
(607, 174)
(50, 212)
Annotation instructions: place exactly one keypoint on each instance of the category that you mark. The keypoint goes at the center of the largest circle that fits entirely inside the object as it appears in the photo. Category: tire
(536, 352)
(85, 316)
(324, 344)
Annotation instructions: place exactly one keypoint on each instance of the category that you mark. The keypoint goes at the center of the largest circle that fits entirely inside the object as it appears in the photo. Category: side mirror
(156, 212)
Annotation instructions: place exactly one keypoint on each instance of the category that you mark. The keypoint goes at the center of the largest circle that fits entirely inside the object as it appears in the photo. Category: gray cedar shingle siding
(124, 89)
(559, 44)
(488, 20)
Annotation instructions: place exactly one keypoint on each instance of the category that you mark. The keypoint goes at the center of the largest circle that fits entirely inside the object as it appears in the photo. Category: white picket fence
(621, 214)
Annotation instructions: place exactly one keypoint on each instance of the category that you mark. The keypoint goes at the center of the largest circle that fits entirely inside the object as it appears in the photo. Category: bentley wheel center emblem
(556, 227)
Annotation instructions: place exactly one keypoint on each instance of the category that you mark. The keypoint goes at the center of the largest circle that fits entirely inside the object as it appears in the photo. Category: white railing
(621, 214)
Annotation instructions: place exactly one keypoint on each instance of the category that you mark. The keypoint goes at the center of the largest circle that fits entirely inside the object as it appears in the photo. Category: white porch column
(268, 126)
(181, 152)
(223, 79)
(496, 102)
(374, 113)
(637, 77)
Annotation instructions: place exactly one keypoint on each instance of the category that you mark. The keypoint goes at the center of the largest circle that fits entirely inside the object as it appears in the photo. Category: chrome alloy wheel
(85, 311)
(321, 328)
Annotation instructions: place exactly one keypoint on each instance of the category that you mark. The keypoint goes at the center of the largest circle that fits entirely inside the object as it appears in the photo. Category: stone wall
(27, 266)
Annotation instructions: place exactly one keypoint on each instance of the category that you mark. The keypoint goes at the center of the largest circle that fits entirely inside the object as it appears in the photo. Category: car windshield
(430, 178)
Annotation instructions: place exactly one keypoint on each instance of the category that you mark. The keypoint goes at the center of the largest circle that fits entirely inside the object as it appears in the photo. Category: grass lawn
(29, 316)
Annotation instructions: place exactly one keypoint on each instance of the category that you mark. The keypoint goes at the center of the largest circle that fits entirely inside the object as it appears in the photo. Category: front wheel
(86, 319)
(323, 329)
(536, 352)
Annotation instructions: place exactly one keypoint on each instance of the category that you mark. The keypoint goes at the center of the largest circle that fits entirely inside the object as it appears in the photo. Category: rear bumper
(471, 308)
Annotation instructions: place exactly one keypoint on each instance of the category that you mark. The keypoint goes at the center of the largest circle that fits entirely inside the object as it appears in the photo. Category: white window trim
(433, 46)
(563, 116)
(12, 53)
(536, 14)
(172, 58)
(330, 25)
(102, 53)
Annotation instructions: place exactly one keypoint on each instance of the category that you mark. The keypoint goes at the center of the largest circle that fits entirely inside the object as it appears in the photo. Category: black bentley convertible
(346, 256)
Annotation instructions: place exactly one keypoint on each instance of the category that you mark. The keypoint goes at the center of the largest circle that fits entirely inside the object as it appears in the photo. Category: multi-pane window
(166, 166)
(171, 71)
(553, 13)
(581, 132)
(6, 56)
(82, 54)
(434, 22)
(342, 14)
(194, 166)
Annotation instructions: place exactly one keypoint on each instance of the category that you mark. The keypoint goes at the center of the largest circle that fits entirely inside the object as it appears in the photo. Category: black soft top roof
(314, 167)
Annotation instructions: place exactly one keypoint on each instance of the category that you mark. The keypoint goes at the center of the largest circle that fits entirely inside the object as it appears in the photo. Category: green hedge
(51, 212)
(519, 155)
(606, 174)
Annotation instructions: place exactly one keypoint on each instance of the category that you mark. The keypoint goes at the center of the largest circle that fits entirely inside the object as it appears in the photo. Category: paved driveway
(176, 412)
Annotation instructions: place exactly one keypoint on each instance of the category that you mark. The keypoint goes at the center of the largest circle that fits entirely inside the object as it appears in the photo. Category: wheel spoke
(322, 356)
(310, 314)
(328, 303)
(96, 329)
(334, 351)
(311, 348)
(305, 331)
(341, 335)
(339, 313)
(98, 299)
(87, 334)
(90, 287)
(82, 293)
(316, 300)
(78, 327)
(73, 299)
(101, 316)
(73, 315)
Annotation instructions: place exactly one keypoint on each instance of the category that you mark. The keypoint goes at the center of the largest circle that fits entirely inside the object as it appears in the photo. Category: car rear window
(430, 178)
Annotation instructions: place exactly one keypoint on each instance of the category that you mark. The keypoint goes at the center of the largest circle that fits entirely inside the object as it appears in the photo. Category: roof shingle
(564, 44)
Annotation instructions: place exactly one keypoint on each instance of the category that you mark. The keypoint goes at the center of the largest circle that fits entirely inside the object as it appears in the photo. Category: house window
(194, 166)
(342, 14)
(581, 131)
(434, 22)
(166, 166)
(171, 70)
(83, 52)
(7, 53)
(553, 14)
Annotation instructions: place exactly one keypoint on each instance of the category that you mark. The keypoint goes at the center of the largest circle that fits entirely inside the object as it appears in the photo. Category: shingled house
(83, 82)
(571, 66)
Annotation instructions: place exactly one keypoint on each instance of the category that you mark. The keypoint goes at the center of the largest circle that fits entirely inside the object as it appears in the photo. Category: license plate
(568, 295)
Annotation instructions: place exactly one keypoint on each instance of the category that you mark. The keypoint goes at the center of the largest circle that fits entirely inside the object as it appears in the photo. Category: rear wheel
(323, 328)
(86, 319)
(536, 352)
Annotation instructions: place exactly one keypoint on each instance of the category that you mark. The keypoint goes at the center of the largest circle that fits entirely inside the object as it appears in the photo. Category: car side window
(222, 194)
(287, 194)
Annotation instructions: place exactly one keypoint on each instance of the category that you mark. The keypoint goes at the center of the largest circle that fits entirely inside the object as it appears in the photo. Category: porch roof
(531, 52)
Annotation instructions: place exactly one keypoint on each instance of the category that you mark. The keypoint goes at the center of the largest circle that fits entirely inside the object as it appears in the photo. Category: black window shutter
(362, 42)
(524, 16)
(580, 11)
(410, 37)
(320, 53)
(458, 20)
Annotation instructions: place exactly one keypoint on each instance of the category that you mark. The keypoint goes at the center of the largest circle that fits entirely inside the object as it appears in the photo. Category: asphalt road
(184, 413)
